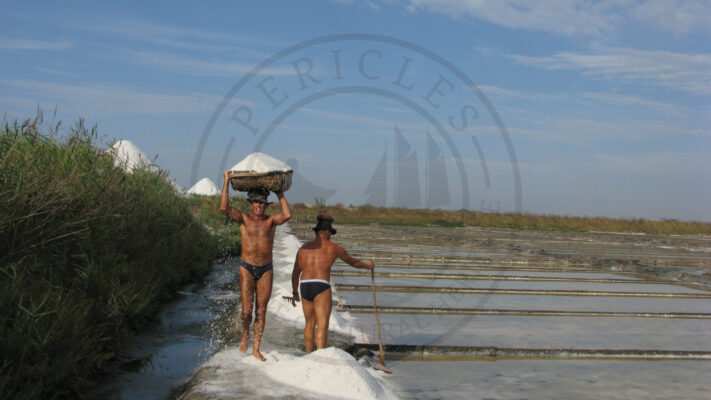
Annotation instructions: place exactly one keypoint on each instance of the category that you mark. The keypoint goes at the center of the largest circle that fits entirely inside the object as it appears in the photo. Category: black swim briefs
(256, 271)
(310, 288)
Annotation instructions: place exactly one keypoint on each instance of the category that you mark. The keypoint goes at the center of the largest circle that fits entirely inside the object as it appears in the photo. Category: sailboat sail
(437, 185)
(377, 187)
(407, 181)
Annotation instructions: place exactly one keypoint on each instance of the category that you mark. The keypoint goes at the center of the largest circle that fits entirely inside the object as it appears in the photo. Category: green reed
(88, 254)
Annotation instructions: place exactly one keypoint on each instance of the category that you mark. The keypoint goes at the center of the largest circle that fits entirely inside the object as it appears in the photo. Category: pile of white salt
(204, 187)
(260, 162)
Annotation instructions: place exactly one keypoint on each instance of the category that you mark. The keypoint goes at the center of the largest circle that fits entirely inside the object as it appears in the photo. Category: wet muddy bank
(159, 362)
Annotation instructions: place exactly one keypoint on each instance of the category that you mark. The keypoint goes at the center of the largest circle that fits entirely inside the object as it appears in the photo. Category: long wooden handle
(377, 320)
(341, 303)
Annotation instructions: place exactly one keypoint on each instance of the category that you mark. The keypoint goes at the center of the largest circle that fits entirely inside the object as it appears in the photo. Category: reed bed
(88, 254)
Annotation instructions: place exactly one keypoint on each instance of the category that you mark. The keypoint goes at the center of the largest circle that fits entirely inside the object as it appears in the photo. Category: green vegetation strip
(480, 268)
(472, 353)
(518, 292)
(88, 255)
(432, 276)
(367, 214)
(363, 309)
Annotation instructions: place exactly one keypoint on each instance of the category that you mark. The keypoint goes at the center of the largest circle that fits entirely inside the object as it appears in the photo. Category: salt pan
(260, 162)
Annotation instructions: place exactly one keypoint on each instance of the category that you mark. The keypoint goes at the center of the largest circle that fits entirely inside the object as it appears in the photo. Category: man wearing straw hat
(256, 270)
(313, 265)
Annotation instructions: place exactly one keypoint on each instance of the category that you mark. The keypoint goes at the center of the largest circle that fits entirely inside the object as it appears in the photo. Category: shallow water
(189, 331)
(517, 302)
(535, 285)
(541, 332)
(588, 275)
(542, 379)
(530, 378)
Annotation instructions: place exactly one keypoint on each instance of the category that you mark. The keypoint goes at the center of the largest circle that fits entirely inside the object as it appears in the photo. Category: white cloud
(135, 29)
(618, 99)
(556, 16)
(198, 67)
(590, 133)
(701, 132)
(388, 125)
(103, 99)
(681, 71)
(669, 163)
(574, 17)
(152, 32)
(53, 71)
(611, 98)
(677, 16)
(500, 92)
(29, 44)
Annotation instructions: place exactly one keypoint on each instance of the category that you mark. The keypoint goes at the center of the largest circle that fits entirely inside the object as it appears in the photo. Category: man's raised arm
(352, 261)
(231, 212)
(285, 210)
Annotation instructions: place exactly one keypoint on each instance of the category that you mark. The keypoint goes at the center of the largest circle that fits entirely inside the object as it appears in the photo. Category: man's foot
(258, 355)
(244, 343)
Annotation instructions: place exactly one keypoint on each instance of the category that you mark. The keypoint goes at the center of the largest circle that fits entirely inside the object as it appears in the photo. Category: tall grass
(401, 216)
(206, 209)
(87, 255)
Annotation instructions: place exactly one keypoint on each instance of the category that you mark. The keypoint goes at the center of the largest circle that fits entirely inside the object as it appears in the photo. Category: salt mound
(260, 162)
(331, 372)
(327, 373)
(204, 187)
(128, 156)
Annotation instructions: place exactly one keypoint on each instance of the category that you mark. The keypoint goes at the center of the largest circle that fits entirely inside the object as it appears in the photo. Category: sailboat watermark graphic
(407, 176)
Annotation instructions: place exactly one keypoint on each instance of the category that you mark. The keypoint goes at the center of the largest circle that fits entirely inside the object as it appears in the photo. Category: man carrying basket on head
(256, 270)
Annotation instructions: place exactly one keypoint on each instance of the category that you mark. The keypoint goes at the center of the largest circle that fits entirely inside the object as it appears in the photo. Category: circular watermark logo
(369, 119)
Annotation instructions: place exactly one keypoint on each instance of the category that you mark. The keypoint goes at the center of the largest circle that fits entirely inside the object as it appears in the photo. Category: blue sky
(596, 108)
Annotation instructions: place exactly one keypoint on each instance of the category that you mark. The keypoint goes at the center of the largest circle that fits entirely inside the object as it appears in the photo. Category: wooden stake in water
(380, 365)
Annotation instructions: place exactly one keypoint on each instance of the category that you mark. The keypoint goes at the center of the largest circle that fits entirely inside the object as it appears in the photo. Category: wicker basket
(274, 181)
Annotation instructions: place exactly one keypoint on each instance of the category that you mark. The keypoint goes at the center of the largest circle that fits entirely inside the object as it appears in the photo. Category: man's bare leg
(264, 293)
(322, 309)
(310, 317)
(246, 287)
